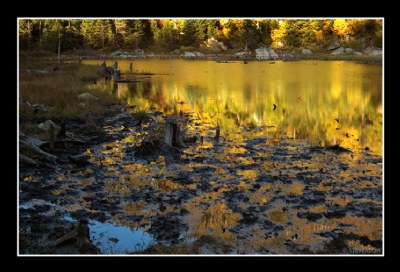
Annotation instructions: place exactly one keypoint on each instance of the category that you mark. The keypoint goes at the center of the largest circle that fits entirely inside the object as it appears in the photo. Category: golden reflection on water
(329, 102)
(278, 217)
(214, 220)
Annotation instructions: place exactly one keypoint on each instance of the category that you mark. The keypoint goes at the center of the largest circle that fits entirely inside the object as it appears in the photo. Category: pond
(268, 186)
(328, 102)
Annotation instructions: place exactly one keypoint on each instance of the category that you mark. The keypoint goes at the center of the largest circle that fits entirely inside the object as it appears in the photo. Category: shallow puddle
(115, 239)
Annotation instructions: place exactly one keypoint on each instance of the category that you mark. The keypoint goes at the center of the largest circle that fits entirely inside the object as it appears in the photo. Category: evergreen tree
(189, 33)
(166, 38)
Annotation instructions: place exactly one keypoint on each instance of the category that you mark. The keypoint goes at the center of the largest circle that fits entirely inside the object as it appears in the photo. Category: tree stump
(217, 132)
(172, 134)
(61, 134)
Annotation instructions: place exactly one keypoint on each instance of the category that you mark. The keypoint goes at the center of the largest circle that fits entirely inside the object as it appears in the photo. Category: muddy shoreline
(257, 192)
(226, 57)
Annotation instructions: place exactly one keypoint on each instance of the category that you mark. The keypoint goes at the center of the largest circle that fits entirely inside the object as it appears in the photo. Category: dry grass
(61, 89)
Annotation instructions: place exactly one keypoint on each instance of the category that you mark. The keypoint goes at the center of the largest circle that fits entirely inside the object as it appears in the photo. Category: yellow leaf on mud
(56, 192)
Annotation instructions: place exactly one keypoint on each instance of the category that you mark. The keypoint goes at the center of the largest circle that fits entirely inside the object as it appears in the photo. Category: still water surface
(294, 192)
(328, 102)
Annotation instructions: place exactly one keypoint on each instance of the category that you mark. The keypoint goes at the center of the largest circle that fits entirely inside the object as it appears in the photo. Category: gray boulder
(87, 97)
(46, 126)
(139, 52)
(306, 51)
(272, 53)
(338, 51)
(116, 53)
(198, 54)
(176, 52)
(376, 52)
(41, 107)
(262, 53)
(189, 55)
(334, 44)
(241, 54)
(223, 46)
(214, 45)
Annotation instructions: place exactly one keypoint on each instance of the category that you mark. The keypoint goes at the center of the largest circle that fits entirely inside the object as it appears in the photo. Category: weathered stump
(172, 135)
(61, 134)
(217, 132)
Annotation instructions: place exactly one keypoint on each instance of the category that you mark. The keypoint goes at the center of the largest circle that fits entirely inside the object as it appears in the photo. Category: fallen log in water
(128, 81)
(62, 144)
(27, 161)
(34, 145)
(38, 149)
(29, 71)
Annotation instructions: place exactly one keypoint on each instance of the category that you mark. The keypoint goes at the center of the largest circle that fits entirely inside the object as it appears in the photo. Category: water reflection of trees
(217, 219)
(308, 100)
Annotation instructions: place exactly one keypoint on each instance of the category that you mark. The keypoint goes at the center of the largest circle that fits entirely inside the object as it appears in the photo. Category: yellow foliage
(340, 26)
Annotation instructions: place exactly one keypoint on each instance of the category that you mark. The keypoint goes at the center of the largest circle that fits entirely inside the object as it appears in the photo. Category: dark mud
(255, 192)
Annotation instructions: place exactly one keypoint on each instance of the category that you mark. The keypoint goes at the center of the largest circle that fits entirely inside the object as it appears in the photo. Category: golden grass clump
(60, 90)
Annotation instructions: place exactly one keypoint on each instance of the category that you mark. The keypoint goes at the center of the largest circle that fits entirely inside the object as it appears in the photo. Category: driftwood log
(34, 145)
(27, 161)
(34, 71)
(28, 144)
(62, 143)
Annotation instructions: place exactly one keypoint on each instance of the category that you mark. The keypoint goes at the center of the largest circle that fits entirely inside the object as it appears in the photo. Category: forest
(166, 35)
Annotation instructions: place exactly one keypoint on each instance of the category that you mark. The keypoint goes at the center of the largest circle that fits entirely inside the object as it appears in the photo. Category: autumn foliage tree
(169, 34)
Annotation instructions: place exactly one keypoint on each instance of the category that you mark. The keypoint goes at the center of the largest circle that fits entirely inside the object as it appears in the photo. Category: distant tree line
(169, 34)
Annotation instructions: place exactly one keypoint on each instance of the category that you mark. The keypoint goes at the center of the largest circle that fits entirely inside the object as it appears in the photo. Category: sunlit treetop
(169, 34)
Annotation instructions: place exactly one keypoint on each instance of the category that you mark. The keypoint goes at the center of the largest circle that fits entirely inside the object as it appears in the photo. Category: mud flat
(254, 192)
